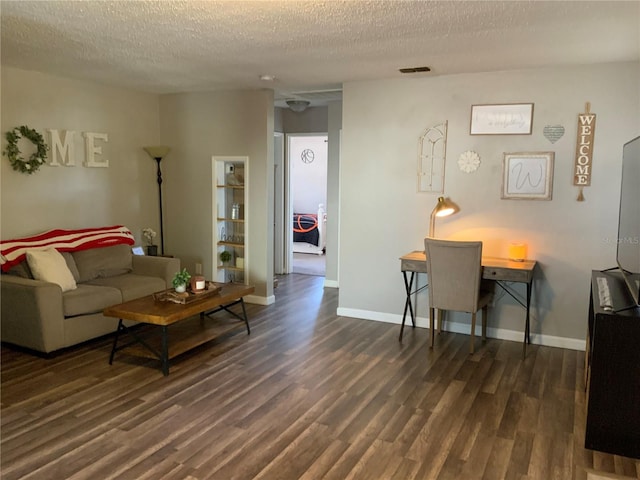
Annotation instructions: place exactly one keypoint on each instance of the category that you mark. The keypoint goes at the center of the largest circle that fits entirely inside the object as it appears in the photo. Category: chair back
(454, 269)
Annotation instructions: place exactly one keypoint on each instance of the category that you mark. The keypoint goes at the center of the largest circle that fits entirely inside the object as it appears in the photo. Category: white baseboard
(257, 300)
(330, 283)
(456, 327)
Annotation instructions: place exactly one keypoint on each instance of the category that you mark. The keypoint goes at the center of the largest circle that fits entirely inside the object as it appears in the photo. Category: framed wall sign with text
(507, 119)
(527, 176)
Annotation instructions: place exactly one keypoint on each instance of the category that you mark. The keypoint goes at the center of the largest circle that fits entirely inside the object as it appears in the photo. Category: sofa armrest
(163, 267)
(31, 313)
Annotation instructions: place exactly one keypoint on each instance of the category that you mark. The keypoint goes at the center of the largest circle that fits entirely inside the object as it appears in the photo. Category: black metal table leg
(165, 351)
(115, 342)
(408, 285)
(527, 338)
(244, 317)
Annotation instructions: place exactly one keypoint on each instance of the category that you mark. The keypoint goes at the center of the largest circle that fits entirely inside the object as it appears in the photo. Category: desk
(497, 269)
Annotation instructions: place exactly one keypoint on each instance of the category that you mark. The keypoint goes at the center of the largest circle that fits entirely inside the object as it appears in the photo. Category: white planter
(181, 288)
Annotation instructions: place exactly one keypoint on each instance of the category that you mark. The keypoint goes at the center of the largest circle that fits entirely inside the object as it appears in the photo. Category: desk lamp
(443, 208)
(158, 153)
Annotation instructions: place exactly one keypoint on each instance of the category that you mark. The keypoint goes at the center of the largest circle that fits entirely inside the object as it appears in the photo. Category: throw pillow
(49, 266)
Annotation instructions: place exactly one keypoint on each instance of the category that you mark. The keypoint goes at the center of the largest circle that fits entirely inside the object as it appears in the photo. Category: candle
(517, 251)
(198, 283)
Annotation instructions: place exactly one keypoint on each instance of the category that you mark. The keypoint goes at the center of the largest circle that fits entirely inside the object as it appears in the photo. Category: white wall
(383, 217)
(312, 120)
(198, 126)
(308, 178)
(79, 197)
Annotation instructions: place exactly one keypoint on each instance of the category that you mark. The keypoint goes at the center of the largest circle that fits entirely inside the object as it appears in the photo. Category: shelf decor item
(181, 280)
(507, 119)
(225, 257)
(198, 283)
(149, 234)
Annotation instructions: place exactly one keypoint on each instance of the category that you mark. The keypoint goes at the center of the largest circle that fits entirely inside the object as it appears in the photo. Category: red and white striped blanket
(12, 252)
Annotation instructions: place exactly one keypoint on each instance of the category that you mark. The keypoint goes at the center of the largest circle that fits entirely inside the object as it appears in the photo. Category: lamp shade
(157, 152)
(443, 208)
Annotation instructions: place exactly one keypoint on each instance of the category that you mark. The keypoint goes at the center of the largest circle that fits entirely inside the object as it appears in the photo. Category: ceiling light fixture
(298, 105)
(267, 78)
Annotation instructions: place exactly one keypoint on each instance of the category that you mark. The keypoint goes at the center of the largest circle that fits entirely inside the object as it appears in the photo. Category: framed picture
(507, 119)
(527, 176)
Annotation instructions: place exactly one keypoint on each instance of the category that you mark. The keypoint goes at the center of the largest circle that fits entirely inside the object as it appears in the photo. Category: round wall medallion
(307, 155)
(469, 161)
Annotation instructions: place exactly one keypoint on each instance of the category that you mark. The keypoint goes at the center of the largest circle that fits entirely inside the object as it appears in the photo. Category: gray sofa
(39, 316)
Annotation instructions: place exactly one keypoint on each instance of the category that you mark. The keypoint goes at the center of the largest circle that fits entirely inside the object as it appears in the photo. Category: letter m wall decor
(584, 150)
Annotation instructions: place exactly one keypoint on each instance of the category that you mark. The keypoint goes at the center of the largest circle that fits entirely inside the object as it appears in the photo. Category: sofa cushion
(103, 262)
(131, 285)
(49, 266)
(89, 299)
(71, 263)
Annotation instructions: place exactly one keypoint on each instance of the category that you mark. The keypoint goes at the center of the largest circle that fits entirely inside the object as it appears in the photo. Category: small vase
(181, 288)
(152, 250)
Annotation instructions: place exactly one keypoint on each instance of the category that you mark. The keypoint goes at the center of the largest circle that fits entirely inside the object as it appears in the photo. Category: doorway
(306, 200)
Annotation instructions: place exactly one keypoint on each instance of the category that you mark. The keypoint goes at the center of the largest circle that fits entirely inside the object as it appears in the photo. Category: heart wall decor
(553, 133)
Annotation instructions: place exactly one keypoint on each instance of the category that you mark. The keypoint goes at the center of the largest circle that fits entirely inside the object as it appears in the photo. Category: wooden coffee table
(163, 314)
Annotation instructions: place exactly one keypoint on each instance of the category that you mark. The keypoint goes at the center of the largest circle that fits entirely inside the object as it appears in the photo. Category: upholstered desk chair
(455, 279)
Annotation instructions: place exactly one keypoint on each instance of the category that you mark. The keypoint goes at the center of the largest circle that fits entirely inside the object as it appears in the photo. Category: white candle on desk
(517, 251)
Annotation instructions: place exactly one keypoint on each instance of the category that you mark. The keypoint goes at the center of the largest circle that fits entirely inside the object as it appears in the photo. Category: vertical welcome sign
(584, 150)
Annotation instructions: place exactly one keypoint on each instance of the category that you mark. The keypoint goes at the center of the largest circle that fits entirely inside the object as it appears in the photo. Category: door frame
(279, 264)
(288, 200)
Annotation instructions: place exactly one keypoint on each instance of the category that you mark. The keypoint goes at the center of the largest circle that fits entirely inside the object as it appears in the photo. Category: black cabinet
(612, 372)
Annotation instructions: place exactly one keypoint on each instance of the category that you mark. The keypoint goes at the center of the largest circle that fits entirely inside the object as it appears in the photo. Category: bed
(309, 232)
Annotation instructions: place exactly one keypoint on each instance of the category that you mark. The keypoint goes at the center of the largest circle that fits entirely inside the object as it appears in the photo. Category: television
(628, 241)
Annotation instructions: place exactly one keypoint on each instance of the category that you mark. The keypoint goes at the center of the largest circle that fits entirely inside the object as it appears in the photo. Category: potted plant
(225, 257)
(149, 235)
(181, 280)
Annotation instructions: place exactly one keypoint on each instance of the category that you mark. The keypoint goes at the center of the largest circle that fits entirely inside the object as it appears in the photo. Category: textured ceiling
(309, 46)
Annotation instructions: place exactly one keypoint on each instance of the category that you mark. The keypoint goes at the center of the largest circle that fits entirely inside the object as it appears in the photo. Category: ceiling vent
(415, 70)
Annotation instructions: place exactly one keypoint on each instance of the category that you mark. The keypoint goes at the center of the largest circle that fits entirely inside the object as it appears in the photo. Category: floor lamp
(443, 208)
(158, 153)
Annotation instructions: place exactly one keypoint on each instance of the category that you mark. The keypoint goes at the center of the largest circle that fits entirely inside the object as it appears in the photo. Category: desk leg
(527, 338)
(408, 284)
(115, 342)
(164, 360)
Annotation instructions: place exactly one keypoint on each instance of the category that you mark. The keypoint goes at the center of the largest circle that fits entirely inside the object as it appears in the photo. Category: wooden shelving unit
(230, 207)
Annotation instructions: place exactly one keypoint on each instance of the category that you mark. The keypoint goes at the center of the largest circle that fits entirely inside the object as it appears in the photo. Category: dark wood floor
(308, 395)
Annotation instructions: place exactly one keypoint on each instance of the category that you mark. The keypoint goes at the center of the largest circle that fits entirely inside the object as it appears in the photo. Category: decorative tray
(170, 295)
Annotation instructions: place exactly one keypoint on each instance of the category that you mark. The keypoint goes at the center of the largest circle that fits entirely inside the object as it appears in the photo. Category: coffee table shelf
(190, 333)
(184, 335)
